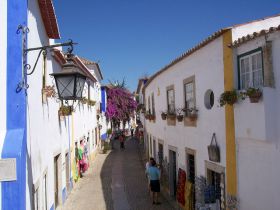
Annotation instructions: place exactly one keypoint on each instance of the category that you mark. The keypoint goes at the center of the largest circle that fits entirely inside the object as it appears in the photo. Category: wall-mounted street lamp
(69, 82)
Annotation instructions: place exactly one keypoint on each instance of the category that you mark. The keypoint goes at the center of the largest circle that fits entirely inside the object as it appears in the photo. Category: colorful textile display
(180, 193)
(189, 196)
(75, 170)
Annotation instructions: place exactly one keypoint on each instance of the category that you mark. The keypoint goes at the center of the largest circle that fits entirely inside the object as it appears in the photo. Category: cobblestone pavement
(114, 181)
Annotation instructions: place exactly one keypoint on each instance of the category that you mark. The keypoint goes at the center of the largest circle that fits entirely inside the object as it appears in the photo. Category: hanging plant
(49, 91)
(147, 115)
(84, 100)
(163, 115)
(91, 102)
(228, 97)
(65, 110)
(179, 114)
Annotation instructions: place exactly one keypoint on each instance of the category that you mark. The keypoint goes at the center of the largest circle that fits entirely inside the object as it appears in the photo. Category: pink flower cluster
(120, 104)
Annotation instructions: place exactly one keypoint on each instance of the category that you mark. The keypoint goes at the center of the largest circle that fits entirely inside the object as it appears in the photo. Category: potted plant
(143, 110)
(163, 115)
(65, 110)
(228, 97)
(147, 115)
(91, 102)
(254, 94)
(49, 91)
(180, 115)
(171, 114)
(84, 100)
(152, 116)
(191, 113)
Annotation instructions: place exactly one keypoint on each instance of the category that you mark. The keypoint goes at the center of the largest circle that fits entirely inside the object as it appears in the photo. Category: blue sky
(132, 38)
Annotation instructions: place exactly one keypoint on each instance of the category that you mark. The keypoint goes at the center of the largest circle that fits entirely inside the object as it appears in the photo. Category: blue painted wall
(103, 99)
(14, 192)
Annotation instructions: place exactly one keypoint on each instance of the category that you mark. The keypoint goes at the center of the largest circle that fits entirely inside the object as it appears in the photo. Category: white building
(257, 124)
(37, 141)
(195, 80)
(51, 138)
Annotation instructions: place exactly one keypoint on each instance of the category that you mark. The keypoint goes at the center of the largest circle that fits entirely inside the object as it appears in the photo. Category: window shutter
(267, 64)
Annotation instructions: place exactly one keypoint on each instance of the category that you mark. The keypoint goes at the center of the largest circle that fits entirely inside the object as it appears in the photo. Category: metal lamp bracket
(42, 50)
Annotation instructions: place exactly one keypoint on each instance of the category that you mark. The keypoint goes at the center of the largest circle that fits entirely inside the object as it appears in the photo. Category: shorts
(155, 185)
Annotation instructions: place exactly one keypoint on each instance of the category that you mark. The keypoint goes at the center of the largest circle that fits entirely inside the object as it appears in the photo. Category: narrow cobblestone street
(115, 180)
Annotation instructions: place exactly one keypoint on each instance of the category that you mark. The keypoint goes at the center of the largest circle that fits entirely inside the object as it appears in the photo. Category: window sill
(189, 123)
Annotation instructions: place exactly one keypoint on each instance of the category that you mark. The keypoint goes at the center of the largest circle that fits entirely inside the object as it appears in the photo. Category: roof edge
(253, 36)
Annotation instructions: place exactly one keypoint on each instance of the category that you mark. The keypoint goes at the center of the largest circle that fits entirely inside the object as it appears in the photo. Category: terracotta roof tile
(254, 35)
(49, 18)
(88, 62)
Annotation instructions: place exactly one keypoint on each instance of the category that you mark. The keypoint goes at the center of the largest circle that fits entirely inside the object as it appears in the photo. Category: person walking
(147, 166)
(131, 131)
(154, 176)
(121, 139)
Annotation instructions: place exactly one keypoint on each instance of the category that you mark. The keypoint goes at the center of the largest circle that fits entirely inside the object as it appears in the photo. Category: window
(170, 100)
(149, 105)
(209, 99)
(189, 97)
(251, 69)
(88, 90)
(153, 104)
(189, 90)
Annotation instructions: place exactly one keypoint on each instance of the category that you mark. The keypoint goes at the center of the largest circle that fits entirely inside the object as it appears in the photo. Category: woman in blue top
(154, 176)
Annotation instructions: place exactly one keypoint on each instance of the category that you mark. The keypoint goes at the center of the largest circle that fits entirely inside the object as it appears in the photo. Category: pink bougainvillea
(120, 104)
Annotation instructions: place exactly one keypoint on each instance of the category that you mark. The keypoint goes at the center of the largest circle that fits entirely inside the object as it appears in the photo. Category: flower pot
(48, 91)
(163, 116)
(232, 100)
(180, 118)
(65, 110)
(171, 116)
(192, 117)
(254, 98)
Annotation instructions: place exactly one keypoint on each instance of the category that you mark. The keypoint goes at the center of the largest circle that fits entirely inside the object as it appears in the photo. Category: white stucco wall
(207, 66)
(3, 75)
(257, 133)
(47, 134)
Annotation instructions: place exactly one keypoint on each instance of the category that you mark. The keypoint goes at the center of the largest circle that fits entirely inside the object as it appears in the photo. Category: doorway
(95, 140)
(57, 180)
(215, 191)
(160, 154)
(172, 173)
(150, 146)
(154, 149)
(190, 160)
